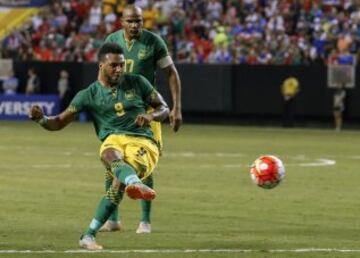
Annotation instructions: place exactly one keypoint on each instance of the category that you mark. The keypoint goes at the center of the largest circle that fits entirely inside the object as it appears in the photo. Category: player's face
(112, 68)
(132, 23)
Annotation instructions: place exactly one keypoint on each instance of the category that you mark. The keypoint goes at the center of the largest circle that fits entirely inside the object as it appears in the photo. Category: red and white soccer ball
(267, 171)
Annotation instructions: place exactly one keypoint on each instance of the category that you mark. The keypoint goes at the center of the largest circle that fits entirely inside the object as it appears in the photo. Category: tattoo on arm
(161, 111)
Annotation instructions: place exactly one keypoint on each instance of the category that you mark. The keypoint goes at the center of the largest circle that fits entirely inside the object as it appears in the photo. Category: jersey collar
(111, 90)
(130, 43)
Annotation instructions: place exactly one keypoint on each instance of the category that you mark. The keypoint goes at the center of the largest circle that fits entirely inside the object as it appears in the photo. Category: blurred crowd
(280, 32)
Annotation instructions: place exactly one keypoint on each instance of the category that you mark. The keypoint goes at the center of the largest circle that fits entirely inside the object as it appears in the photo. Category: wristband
(43, 121)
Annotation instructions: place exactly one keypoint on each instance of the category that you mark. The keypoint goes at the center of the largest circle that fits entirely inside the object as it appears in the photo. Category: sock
(106, 206)
(124, 173)
(114, 216)
(146, 205)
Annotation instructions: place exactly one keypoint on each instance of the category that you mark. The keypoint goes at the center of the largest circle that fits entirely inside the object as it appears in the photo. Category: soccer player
(144, 51)
(117, 103)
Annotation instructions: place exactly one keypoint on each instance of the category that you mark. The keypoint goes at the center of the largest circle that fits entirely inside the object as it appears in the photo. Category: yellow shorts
(141, 153)
(156, 129)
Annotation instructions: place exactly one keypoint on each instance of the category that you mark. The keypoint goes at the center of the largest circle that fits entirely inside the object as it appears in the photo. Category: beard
(134, 33)
(112, 80)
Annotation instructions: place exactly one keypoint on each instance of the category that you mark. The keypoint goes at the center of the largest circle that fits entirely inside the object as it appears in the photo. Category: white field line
(298, 160)
(159, 251)
(183, 154)
(315, 163)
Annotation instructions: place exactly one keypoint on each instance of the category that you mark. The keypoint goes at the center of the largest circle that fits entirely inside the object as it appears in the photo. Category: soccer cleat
(88, 242)
(111, 226)
(140, 191)
(143, 228)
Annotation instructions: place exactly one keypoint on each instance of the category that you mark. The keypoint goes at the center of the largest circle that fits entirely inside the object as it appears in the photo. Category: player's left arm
(152, 98)
(160, 112)
(165, 62)
(175, 115)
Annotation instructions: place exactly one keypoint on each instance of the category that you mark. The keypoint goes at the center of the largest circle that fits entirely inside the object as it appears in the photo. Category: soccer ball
(267, 171)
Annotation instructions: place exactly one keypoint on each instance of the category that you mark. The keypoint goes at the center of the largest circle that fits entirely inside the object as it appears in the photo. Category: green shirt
(114, 110)
(141, 54)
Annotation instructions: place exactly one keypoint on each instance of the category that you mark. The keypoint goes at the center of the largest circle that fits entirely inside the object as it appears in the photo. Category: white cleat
(111, 226)
(144, 228)
(88, 242)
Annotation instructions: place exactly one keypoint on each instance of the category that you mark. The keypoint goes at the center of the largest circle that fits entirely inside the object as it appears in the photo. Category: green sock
(114, 216)
(124, 173)
(145, 211)
(106, 206)
(146, 205)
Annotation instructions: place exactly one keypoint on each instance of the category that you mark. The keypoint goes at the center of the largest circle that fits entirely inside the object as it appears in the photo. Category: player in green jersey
(118, 104)
(144, 51)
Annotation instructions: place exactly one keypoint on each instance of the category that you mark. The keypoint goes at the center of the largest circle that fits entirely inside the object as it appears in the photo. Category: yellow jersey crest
(144, 53)
(130, 94)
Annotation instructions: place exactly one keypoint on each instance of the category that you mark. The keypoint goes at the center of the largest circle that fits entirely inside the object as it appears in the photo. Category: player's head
(111, 63)
(132, 21)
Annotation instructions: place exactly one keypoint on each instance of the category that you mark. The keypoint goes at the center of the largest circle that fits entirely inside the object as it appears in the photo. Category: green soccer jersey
(141, 54)
(114, 110)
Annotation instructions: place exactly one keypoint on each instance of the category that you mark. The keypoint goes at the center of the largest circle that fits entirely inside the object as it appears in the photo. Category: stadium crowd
(280, 32)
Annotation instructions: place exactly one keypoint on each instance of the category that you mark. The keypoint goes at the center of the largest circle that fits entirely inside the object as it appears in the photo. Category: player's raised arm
(52, 123)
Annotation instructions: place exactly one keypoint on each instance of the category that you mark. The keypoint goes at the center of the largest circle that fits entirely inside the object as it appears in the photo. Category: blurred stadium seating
(12, 18)
(275, 37)
(285, 32)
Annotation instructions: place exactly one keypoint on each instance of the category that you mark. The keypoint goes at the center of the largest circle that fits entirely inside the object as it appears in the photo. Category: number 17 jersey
(142, 54)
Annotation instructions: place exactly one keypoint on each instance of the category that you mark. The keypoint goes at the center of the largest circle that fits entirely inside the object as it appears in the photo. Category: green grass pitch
(51, 182)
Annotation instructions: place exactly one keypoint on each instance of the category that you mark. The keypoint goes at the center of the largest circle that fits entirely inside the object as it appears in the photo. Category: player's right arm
(54, 123)
(51, 123)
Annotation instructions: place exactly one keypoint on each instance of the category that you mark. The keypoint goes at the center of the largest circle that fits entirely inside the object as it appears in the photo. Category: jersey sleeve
(79, 102)
(147, 90)
(161, 49)
(110, 38)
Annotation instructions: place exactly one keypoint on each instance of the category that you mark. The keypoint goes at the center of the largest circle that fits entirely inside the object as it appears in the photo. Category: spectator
(289, 89)
(150, 16)
(95, 15)
(214, 10)
(314, 28)
(10, 84)
(63, 89)
(33, 82)
(221, 37)
(339, 106)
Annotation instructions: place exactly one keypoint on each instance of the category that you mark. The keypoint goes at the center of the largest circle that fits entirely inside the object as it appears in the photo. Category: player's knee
(110, 156)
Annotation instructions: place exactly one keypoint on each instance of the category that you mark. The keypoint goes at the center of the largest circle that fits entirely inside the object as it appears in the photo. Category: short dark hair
(108, 48)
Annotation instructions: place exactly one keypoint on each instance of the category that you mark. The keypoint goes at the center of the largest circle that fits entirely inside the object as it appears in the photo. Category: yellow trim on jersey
(72, 109)
(129, 43)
